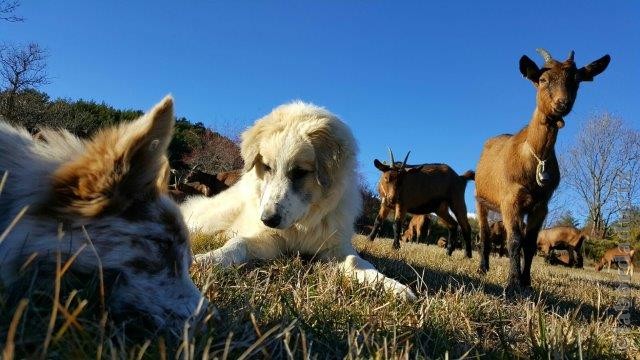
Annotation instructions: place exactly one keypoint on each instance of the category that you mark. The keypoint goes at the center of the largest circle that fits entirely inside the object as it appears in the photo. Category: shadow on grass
(435, 280)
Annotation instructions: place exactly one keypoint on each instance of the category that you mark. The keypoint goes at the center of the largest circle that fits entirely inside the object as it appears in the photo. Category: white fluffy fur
(316, 220)
(31, 165)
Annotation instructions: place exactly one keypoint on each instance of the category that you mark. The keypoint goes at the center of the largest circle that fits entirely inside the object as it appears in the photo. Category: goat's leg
(513, 225)
(529, 246)
(579, 255)
(572, 257)
(484, 237)
(397, 226)
(377, 224)
(460, 211)
(451, 224)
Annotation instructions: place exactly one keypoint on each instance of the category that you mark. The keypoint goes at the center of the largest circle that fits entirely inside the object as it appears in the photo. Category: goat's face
(557, 82)
(391, 181)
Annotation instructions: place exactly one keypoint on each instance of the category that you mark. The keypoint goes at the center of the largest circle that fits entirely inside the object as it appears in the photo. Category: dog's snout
(272, 220)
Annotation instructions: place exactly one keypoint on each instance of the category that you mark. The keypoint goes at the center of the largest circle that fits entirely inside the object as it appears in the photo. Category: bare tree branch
(594, 168)
(7, 8)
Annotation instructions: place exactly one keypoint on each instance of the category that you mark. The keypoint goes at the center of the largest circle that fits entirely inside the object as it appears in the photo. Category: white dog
(60, 185)
(299, 193)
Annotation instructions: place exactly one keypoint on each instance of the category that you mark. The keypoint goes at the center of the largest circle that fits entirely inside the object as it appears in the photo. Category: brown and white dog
(107, 185)
(299, 194)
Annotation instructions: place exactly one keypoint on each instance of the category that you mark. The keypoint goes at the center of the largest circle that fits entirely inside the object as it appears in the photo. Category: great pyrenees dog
(299, 194)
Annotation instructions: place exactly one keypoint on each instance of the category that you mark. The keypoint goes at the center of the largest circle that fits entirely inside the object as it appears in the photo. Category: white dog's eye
(266, 168)
(298, 173)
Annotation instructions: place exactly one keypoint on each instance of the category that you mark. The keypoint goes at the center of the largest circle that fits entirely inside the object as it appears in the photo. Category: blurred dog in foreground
(60, 185)
(299, 194)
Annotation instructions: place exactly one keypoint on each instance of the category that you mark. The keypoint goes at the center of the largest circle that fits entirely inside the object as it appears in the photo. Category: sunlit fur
(110, 186)
(300, 165)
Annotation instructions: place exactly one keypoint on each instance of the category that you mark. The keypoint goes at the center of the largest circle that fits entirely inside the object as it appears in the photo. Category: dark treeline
(193, 143)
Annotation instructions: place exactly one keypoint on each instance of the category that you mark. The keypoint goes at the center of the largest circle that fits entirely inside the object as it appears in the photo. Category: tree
(566, 219)
(601, 169)
(21, 69)
(7, 8)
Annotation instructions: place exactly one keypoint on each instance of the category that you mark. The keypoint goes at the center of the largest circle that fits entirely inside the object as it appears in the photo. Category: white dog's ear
(329, 153)
(250, 147)
(119, 165)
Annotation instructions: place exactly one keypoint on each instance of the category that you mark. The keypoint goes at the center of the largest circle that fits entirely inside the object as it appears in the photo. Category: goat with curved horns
(420, 190)
(517, 174)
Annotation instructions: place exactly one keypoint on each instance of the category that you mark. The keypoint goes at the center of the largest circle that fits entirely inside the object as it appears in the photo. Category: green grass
(298, 308)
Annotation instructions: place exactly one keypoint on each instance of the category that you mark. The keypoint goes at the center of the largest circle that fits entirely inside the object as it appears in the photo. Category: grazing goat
(517, 174)
(420, 190)
(563, 238)
(211, 184)
(556, 258)
(623, 258)
(418, 226)
(498, 238)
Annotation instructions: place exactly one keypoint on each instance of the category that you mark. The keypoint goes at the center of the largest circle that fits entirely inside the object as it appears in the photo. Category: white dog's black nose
(271, 221)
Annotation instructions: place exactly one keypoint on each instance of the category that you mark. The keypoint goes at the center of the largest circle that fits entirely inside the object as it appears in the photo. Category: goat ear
(590, 71)
(529, 69)
(250, 147)
(380, 166)
(119, 165)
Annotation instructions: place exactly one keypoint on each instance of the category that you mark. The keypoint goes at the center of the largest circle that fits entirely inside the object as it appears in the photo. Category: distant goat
(517, 174)
(498, 238)
(420, 190)
(624, 260)
(211, 184)
(563, 238)
(418, 226)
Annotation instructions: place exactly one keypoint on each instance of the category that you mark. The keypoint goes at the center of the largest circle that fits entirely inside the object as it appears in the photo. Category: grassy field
(296, 308)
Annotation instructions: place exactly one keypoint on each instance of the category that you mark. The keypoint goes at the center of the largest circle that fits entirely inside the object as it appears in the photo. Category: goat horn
(545, 54)
(571, 55)
(393, 161)
(404, 163)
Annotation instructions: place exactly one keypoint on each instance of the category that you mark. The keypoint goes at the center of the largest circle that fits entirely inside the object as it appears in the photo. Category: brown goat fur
(563, 238)
(419, 226)
(510, 180)
(559, 258)
(420, 190)
(622, 257)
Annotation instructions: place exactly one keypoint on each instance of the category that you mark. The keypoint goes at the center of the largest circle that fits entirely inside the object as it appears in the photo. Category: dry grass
(296, 308)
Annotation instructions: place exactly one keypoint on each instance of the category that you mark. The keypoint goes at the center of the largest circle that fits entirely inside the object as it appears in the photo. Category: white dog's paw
(233, 252)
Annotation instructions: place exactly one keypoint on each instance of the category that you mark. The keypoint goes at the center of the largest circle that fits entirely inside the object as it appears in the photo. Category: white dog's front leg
(366, 273)
(234, 251)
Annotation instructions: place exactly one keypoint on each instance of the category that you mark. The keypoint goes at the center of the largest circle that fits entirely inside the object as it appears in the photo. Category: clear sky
(434, 79)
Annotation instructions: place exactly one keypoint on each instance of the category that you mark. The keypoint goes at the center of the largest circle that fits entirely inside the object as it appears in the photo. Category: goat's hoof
(371, 238)
(468, 254)
(396, 246)
(483, 270)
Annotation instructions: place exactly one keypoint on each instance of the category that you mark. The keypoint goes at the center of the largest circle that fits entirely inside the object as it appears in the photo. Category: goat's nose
(271, 221)
(562, 105)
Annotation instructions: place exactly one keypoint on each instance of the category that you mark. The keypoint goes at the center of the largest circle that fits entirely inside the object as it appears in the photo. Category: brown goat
(556, 258)
(212, 184)
(420, 190)
(563, 238)
(620, 257)
(498, 238)
(418, 226)
(517, 174)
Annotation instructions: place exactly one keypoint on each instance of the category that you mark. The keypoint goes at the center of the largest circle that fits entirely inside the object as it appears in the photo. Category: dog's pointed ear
(119, 165)
(380, 166)
(250, 147)
(331, 147)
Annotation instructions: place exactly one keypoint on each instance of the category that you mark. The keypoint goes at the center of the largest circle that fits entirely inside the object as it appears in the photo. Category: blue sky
(434, 79)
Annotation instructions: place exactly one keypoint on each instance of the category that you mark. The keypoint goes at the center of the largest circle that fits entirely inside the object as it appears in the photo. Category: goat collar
(542, 177)
(555, 121)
